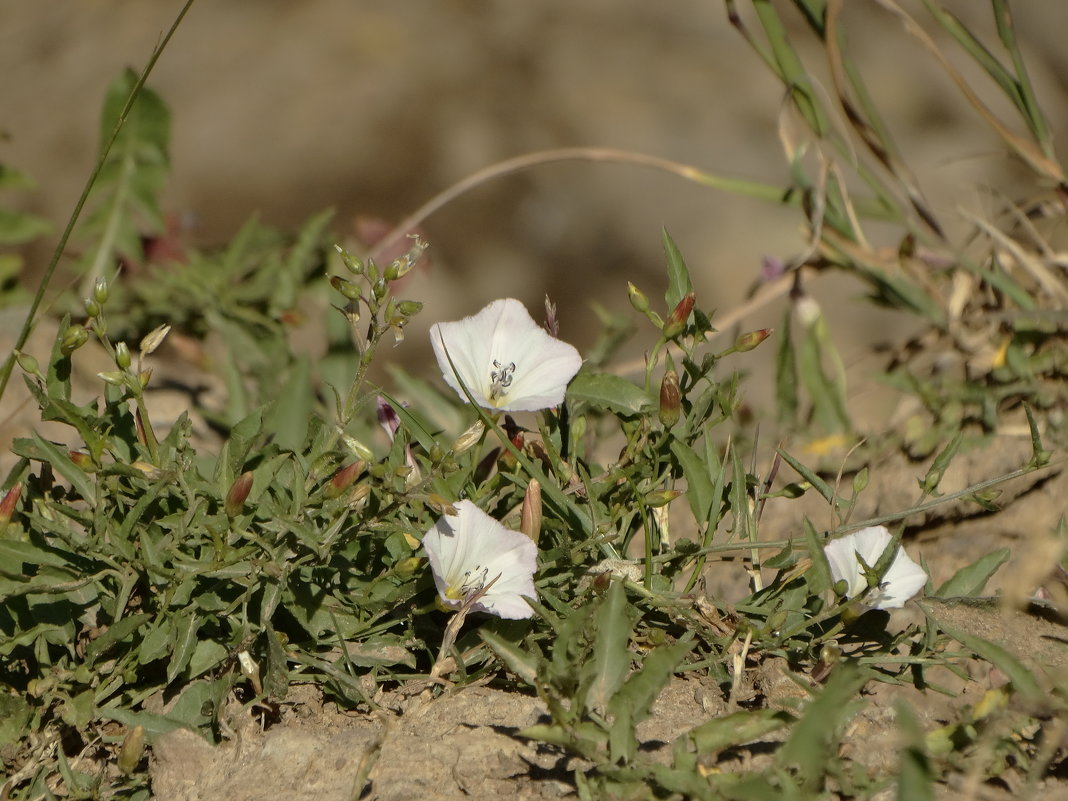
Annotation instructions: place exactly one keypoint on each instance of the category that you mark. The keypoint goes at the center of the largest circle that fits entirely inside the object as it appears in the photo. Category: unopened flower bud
(100, 291)
(144, 376)
(122, 356)
(344, 478)
(82, 460)
(359, 495)
(73, 338)
(676, 321)
(10, 502)
(409, 308)
(92, 308)
(132, 749)
(378, 289)
(352, 264)
(661, 497)
(751, 340)
(238, 494)
(530, 516)
(28, 363)
(360, 450)
(346, 287)
(670, 399)
(638, 298)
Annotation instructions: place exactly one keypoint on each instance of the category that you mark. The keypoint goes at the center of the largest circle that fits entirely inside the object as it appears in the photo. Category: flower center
(501, 376)
(471, 582)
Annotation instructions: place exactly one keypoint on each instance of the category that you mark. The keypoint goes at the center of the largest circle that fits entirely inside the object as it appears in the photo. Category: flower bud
(144, 377)
(83, 461)
(751, 340)
(345, 287)
(661, 498)
(92, 308)
(238, 494)
(122, 356)
(132, 749)
(114, 377)
(100, 291)
(637, 298)
(344, 478)
(73, 338)
(670, 399)
(379, 289)
(28, 363)
(10, 502)
(409, 308)
(352, 264)
(530, 516)
(676, 321)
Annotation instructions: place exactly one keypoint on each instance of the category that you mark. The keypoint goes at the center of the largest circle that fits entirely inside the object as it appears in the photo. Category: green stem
(27, 325)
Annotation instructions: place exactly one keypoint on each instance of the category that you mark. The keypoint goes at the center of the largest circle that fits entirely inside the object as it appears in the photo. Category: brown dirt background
(283, 107)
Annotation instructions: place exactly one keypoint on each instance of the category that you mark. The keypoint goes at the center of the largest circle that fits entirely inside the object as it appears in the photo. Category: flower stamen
(501, 377)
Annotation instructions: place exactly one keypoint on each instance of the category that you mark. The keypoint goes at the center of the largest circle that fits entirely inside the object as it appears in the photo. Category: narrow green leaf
(606, 391)
(115, 634)
(288, 418)
(970, 580)
(611, 659)
(736, 729)
(819, 575)
(679, 284)
(821, 486)
(700, 492)
(813, 739)
(523, 664)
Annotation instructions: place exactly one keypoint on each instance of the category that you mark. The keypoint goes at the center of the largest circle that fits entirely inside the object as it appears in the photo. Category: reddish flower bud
(676, 321)
(751, 340)
(670, 399)
(238, 494)
(530, 517)
(344, 478)
(10, 501)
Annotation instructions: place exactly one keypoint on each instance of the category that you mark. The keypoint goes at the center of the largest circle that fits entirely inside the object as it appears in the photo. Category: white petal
(902, 580)
(504, 335)
(471, 543)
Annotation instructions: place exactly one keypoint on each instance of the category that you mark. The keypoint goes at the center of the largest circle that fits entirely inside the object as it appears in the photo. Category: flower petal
(902, 580)
(469, 550)
(504, 337)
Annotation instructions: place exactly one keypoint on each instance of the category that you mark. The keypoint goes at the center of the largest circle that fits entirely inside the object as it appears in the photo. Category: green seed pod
(73, 338)
(133, 748)
(100, 291)
(122, 356)
(409, 308)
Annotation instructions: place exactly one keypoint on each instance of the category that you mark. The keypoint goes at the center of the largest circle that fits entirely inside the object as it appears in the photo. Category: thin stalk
(61, 246)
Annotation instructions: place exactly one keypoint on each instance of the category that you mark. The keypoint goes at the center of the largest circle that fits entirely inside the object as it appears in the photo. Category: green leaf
(116, 633)
(288, 419)
(812, 741)
(611, 658)
(819, 575)
(14, 718)
(606, 391)
(821, 486)
(523, 664)
(970, 580)
(736, 729)
(700, 492)
(679, 284)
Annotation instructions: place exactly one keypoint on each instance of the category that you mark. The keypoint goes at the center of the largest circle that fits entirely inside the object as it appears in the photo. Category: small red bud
(751, 340)
(10, 501)
(238, 494)
(344, 478)
(676, 321)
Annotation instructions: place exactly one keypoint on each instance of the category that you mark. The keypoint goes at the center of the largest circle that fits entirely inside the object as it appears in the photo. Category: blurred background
(284, 107)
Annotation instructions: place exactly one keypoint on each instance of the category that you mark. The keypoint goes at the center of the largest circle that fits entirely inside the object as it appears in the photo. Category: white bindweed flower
(902, 580)
(505, 359)
(470, 552)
